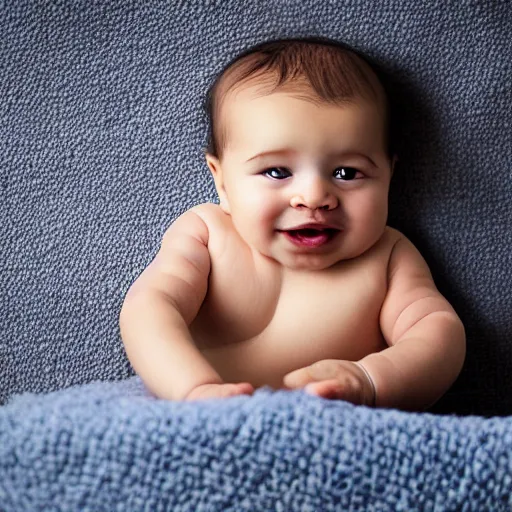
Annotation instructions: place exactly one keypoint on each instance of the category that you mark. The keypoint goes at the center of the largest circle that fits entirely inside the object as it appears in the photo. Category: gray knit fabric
(102, 132)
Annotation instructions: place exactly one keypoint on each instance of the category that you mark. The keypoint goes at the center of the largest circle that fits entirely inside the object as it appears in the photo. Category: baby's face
(327, 164)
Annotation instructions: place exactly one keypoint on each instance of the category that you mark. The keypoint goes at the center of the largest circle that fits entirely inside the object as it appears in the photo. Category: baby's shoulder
(213, 216)
(219, 224)
(399, 247)
(403, 254)
(388, 240)
(211, 213)
(392, 236)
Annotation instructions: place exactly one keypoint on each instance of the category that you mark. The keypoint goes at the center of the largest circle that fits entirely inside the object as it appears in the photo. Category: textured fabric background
(101, 138)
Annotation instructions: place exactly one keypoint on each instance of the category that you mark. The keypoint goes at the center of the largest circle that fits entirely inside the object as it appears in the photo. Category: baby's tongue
(312, 235)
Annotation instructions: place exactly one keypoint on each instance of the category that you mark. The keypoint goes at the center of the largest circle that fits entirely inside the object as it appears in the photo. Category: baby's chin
(306, 262)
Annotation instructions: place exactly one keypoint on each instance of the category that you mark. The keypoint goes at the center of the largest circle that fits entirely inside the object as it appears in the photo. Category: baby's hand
(332, 378)
(206, 391)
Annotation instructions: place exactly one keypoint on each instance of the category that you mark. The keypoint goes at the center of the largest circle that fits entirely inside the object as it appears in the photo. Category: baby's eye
(275, 172)
(345, 173)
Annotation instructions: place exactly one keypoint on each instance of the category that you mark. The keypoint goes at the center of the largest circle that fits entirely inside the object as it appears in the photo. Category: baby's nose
(314, 195)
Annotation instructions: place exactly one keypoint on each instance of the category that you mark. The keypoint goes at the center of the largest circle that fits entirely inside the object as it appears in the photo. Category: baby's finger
(227, 390)
(325, 369)
(298, 378)
(209, 391)
(326, 389)
(244, 388)
(334, 390)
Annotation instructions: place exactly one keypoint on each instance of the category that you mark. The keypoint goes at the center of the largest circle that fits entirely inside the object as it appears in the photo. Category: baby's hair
(315, 66)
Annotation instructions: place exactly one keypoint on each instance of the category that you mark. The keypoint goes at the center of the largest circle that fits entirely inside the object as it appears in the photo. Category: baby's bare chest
(259, 321)
(257, 324)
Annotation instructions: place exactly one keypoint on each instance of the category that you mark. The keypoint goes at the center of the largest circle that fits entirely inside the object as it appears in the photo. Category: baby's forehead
(245, 97)
(331, 82)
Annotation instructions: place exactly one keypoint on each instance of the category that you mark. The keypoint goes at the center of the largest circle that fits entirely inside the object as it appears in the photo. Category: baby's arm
(159, 307)
(426, 338)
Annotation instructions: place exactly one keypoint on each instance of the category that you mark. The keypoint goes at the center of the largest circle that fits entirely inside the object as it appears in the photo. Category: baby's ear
(218, 177)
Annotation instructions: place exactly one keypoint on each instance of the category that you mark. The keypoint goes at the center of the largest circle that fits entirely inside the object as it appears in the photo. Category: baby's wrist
(373, 399)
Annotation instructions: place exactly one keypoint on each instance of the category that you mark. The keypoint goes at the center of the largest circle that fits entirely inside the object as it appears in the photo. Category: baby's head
(321, 116)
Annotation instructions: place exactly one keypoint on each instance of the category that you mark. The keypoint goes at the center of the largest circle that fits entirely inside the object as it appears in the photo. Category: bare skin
(260, 341)
(256, 325)
(230, 304)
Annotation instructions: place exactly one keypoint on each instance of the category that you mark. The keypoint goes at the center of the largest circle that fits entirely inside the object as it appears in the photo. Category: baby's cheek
(370, 214)
(248, 216)
(258, 209)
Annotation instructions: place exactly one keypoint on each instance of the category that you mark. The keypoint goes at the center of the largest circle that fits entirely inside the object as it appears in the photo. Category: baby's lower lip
(316, 239)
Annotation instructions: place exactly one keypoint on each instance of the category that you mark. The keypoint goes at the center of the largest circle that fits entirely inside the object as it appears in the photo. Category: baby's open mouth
(311, 232)
(310, 237)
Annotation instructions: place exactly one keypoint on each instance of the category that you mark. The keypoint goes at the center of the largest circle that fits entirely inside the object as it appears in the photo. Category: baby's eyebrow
(274, 152)
(286, 151)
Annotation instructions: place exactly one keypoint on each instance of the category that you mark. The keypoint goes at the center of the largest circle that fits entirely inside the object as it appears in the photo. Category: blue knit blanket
(111, 446)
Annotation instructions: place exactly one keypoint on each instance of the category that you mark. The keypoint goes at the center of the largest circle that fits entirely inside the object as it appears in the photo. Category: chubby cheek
(257, 213)
(263, 217)
(368, 216)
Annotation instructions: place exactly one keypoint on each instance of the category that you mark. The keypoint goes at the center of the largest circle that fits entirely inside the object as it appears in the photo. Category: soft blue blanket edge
(112, 446)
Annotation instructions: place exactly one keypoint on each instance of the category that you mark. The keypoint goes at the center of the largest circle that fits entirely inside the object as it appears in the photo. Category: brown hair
(324, 67)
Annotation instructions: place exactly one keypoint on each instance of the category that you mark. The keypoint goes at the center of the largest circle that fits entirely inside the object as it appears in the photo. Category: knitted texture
(111, 447)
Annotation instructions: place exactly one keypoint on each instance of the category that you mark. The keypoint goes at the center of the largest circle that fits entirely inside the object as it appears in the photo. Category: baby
(294, 280)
